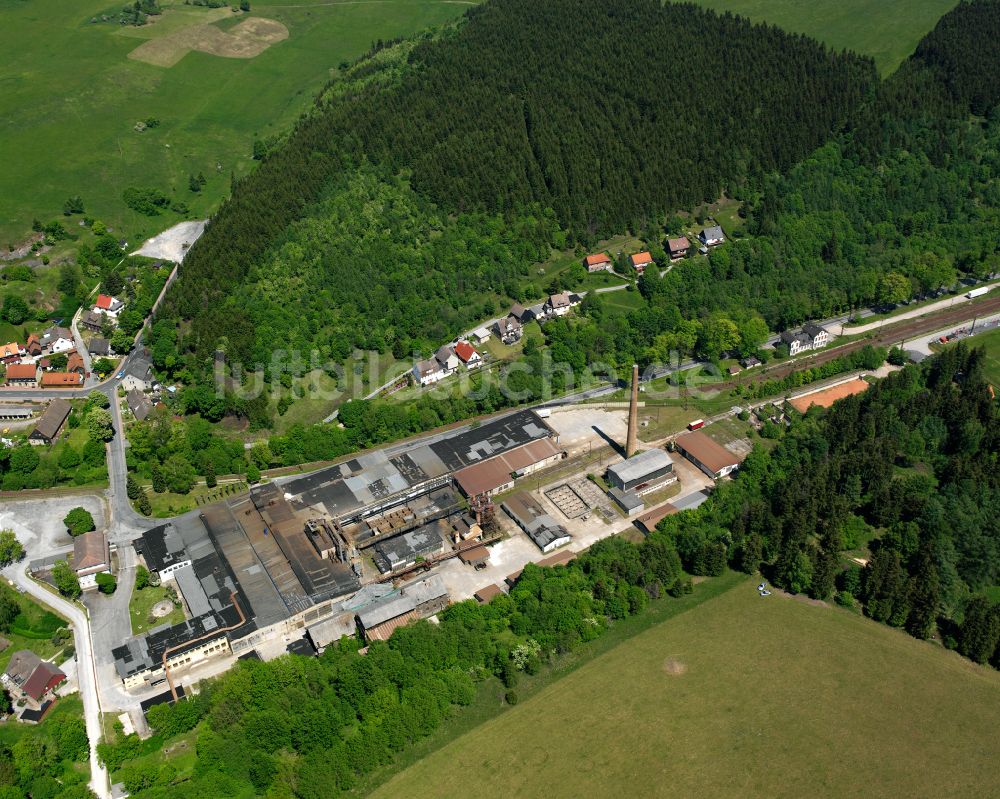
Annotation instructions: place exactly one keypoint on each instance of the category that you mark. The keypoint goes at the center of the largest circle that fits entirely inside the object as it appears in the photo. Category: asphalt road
(86, 673)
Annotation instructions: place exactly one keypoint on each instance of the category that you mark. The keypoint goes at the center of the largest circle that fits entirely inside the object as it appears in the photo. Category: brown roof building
(51, 422)
(61, 379)
(486, 593)
(497, 474)
(91, 556)
(713, 459)
(28, 674)
(21, 374)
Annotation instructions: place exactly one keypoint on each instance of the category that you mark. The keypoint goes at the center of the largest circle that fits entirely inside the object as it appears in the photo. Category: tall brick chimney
(631, 443)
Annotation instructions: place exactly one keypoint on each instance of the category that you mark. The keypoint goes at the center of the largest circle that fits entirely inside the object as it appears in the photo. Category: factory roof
(638, 466)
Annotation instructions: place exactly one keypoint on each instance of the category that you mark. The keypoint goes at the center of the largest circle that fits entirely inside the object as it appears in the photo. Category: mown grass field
(70, 97)
(739, 697)
(886, 30)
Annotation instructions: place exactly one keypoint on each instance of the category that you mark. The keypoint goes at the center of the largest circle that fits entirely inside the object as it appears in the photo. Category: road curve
(86, 674)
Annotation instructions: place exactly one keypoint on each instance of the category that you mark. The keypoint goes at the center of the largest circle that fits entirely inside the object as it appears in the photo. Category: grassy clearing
(886, 31)
(489, 703)
(741, 696)
(72, 97)
(141, 605)
(32, 629)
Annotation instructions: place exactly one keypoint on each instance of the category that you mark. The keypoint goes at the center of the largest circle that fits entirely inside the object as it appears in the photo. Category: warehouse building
(496, 475)
(713, 459)
(540, 527)
(412, 602)
(403, 551)
(642, 473)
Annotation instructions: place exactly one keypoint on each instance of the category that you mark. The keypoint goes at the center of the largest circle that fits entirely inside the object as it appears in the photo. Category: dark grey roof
(713, 232)
(812, 330)
(139, 404)
(99, 346)
(52, 420)
(163, 547)
(403, 549)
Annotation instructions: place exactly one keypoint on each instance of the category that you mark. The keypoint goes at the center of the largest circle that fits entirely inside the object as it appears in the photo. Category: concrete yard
(38, 523)
(580, 428)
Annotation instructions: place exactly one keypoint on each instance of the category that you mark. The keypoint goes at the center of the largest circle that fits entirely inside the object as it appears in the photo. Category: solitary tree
(65, 579)
(10, 548)
(79, 521)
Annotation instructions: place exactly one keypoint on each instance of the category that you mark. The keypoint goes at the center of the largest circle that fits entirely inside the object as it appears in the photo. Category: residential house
(734, 370)
(22, 374)
(429, 371)
(139, 404)
(447, 358)
(557, 304)
(74, 363)
(640, 261)
(109, 305)
(33, 346)
(810, 337)
(678, 248)
(91, 556)
(599, 262)
(99, 346)
(509, 330)
(711, 236)
(62, 379)
(10, 353)
(468, 355)
(521, 314)
(92, 320)
(139, 375)
(750, 362)
(30, 678)
(57, 339)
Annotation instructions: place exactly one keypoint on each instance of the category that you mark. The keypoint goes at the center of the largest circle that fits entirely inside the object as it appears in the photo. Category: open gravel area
(173, 243)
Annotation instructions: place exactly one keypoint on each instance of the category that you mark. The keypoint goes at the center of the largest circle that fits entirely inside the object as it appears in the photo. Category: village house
(509, 330)
(712, 236)
(810, 337)
(108, 305)
(428, 371)
(521, 314)
(57, 339)
(10, 353)
(33, 346)
(92, 320)
(447, 358)
(139, 376)
(557, 304)
(468, 355)
(30, 679)
(22, 374)
(750, 362)
(139, 404)
(74, 363)
(599, 262)
(640, 261)
(678, 248)
(99, 346)
(91, 556)
(62, 379)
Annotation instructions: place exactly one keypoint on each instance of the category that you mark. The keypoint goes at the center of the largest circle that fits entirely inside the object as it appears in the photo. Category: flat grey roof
(638, 466)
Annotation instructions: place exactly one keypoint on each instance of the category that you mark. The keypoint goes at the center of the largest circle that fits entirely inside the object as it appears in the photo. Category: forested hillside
(910, 469)
(611, 114)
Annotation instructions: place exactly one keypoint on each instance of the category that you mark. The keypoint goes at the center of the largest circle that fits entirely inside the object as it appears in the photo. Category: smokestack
(631, 445)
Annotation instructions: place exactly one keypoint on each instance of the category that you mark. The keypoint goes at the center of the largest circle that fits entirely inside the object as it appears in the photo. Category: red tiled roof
(104, 302)
(21, 371)
(61, 379)
(8, 350)
(598, 258)
(464, 350)
(641, 258)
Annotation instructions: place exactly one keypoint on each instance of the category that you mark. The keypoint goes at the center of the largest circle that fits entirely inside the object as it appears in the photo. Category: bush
(79, 521)
(106, 583)
(510, 697)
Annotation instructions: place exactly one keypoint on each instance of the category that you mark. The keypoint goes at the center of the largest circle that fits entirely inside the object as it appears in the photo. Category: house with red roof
(33, 346)
(30, 678)
(62, 379)
(22, 374)
(109, 305)
(468, 355)
(640, 261)
(678, 247)
(9, 353)
(599, 262)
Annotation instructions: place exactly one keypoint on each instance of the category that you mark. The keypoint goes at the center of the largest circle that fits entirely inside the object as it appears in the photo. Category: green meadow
(741, 696)
(887, 30)
(70, 97)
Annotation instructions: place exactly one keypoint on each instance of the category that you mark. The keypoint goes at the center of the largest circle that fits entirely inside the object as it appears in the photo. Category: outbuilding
(642, 473)
(713, 459)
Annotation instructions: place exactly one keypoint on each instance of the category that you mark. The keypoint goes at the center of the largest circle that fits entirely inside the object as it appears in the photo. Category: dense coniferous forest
(605, 114)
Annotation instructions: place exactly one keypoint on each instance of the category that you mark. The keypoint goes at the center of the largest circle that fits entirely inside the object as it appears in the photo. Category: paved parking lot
(580, 428)
(38, 523)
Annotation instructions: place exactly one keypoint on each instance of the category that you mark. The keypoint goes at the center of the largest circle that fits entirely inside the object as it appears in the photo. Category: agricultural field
(740, 696)
(886, 31)
(73, 90)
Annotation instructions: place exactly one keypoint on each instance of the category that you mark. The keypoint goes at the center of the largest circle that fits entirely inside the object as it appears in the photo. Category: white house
(429, 371)
(711, 236)
(57, 339)
(467, 354)
(810, 337)
(447, 358)
(558, 304)
(109, 305)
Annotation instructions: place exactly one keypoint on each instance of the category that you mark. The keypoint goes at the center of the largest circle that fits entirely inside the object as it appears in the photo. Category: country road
(86, 672)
